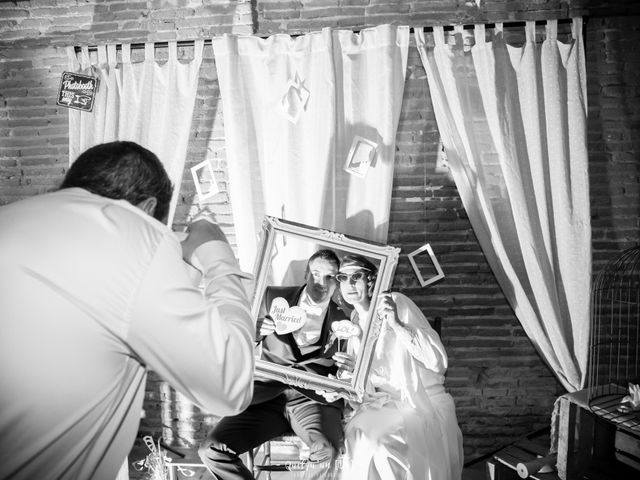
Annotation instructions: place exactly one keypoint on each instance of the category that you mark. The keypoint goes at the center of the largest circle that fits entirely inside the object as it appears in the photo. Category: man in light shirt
(277, 408)
(95, 291)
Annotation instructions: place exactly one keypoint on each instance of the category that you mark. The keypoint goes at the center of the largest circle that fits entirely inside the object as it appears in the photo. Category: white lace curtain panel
(149, 102)
(513, 124)
(295, 108)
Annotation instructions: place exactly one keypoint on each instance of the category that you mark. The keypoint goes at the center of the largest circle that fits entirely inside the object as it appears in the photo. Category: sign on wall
(77, 91)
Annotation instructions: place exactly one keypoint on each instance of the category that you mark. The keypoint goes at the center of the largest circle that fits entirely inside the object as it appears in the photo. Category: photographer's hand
(199, 232)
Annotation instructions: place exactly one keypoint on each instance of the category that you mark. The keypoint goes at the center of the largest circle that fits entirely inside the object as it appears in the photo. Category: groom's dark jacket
(283, 349)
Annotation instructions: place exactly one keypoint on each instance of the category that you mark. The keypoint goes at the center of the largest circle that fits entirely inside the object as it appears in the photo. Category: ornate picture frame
(281, 261)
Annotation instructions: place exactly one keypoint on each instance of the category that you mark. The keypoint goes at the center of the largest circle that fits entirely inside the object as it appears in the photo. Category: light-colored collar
(307, 299)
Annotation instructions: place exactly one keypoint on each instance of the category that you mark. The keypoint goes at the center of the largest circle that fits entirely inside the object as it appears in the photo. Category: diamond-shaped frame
(297, 85)
(360, 169)
(202, 194)
(434, 260)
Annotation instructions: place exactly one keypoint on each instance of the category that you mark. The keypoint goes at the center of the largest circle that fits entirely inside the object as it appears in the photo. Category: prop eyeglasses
(353, 277)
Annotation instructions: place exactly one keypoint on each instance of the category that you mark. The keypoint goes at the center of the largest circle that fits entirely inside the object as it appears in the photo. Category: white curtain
(293, 108)
(148, 102)
(513, 123)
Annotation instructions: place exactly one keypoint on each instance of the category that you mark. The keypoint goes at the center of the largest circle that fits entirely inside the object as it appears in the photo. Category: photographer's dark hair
(122, 171)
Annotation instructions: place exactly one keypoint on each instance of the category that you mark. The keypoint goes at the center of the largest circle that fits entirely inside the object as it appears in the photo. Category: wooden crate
(590, 446)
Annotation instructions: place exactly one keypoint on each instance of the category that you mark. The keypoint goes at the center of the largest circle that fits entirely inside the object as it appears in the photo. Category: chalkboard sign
(77, 91)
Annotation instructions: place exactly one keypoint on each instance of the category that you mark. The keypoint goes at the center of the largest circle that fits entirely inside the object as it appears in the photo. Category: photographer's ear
(148, 205)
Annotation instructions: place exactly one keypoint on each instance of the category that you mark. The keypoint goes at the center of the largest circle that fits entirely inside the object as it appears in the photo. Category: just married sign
(287, 319)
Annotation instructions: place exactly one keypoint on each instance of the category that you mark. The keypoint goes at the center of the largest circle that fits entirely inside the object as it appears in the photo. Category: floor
(190, 468)
(474, 472)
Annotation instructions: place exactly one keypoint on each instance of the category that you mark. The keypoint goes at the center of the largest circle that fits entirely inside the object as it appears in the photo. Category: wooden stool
(267, 463)
(522, 459)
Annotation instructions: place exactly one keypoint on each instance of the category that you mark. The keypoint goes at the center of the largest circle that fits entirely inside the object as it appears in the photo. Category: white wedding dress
(406, 428)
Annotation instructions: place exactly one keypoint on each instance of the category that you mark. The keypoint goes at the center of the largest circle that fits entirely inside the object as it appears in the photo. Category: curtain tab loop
(112, 54)
(102, 55)
(479, 33)
(552, 29)
(198, 46)
(73, 58)
(530, 31)
(438, 35)
(418, 33)
(173, 51)
(85, 59)
(576, 28)
(150, 51)
(458, 32)
(126, 53)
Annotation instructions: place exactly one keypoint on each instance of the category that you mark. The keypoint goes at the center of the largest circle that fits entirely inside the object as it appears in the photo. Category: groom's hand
(267, 326)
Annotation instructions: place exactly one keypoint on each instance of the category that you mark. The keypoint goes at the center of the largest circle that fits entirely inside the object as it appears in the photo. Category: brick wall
(501, 386)
(613, 84)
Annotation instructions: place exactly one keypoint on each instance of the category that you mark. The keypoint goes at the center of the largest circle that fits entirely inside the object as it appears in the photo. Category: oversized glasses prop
(354, 277)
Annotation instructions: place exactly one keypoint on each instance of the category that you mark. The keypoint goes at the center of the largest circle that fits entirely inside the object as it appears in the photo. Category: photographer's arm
(202, 345)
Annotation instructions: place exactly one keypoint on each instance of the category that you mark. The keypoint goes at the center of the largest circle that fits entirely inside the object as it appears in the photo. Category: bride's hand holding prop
(344, 361)
(344, 330)
(387, 310)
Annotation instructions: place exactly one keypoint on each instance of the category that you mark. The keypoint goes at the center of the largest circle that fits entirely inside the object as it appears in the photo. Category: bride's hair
(360, 261)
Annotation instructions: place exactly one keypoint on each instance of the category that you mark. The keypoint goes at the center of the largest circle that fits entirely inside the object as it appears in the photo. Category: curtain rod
(191, 43)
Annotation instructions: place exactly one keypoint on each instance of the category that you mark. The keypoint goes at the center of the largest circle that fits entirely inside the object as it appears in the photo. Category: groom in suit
(277, 408)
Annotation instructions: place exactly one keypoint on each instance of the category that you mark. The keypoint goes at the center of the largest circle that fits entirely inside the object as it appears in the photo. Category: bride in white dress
(406, 427)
